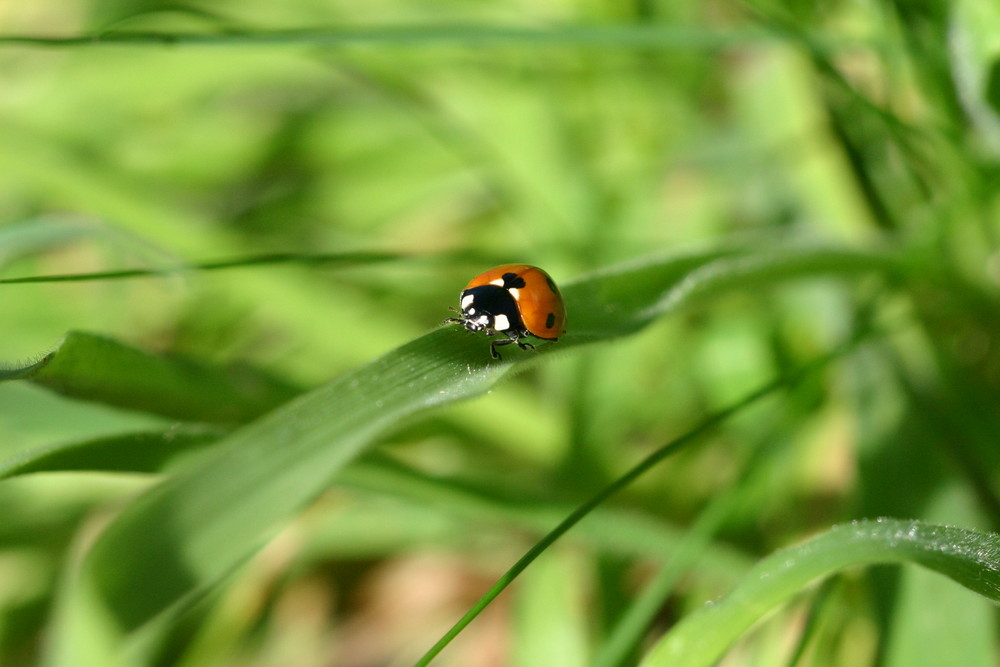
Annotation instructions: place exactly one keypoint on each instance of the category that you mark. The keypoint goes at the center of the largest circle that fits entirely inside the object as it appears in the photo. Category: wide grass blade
(969, 557)
(96, 368)
(41, 234)
(145, 452)
(187, 533)
(651, 460)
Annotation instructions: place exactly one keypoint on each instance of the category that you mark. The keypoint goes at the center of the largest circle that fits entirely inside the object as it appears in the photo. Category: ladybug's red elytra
(516, 300)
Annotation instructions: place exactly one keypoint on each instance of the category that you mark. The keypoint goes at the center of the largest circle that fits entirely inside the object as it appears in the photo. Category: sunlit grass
(238, 205)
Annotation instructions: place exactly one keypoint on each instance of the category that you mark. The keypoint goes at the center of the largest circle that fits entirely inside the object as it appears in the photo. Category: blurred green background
(571, 135)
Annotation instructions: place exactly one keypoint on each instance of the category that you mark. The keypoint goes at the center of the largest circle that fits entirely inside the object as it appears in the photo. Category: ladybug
(516, 300)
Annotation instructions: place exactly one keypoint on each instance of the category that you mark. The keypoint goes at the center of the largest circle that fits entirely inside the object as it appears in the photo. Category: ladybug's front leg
(455, 320)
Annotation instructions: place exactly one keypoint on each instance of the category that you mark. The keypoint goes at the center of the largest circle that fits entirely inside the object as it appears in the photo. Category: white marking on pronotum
(501, 323)
(516, 293)
(467, 299)
(483, 319)
(498, 282)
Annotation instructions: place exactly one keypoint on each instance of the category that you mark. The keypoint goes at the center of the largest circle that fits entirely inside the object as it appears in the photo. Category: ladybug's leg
(497, 343)
(517, 337)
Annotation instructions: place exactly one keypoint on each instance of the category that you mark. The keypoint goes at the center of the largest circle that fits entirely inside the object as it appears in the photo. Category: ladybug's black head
(490, 308)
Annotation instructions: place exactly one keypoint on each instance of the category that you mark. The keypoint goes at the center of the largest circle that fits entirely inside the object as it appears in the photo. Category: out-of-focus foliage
(768, 178)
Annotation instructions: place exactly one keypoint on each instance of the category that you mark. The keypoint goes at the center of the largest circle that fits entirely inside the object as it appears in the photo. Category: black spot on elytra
(512, 280)
(552, 285)
(550, 320)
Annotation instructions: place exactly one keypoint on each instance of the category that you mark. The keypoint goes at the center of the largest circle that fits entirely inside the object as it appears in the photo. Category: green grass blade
(96, 368)
(691, 436)
(323, 259)
(614, 303)
(933, 622)
(969, 557)
(187, 533)
(144, 452)
(190, 531)
(40, 234)
(628, 632)
(550, 619)
(636, 36)
(608, 529)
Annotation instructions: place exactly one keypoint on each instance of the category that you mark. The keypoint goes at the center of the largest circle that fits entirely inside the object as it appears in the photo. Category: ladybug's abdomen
(494, 303)
(541, 307)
